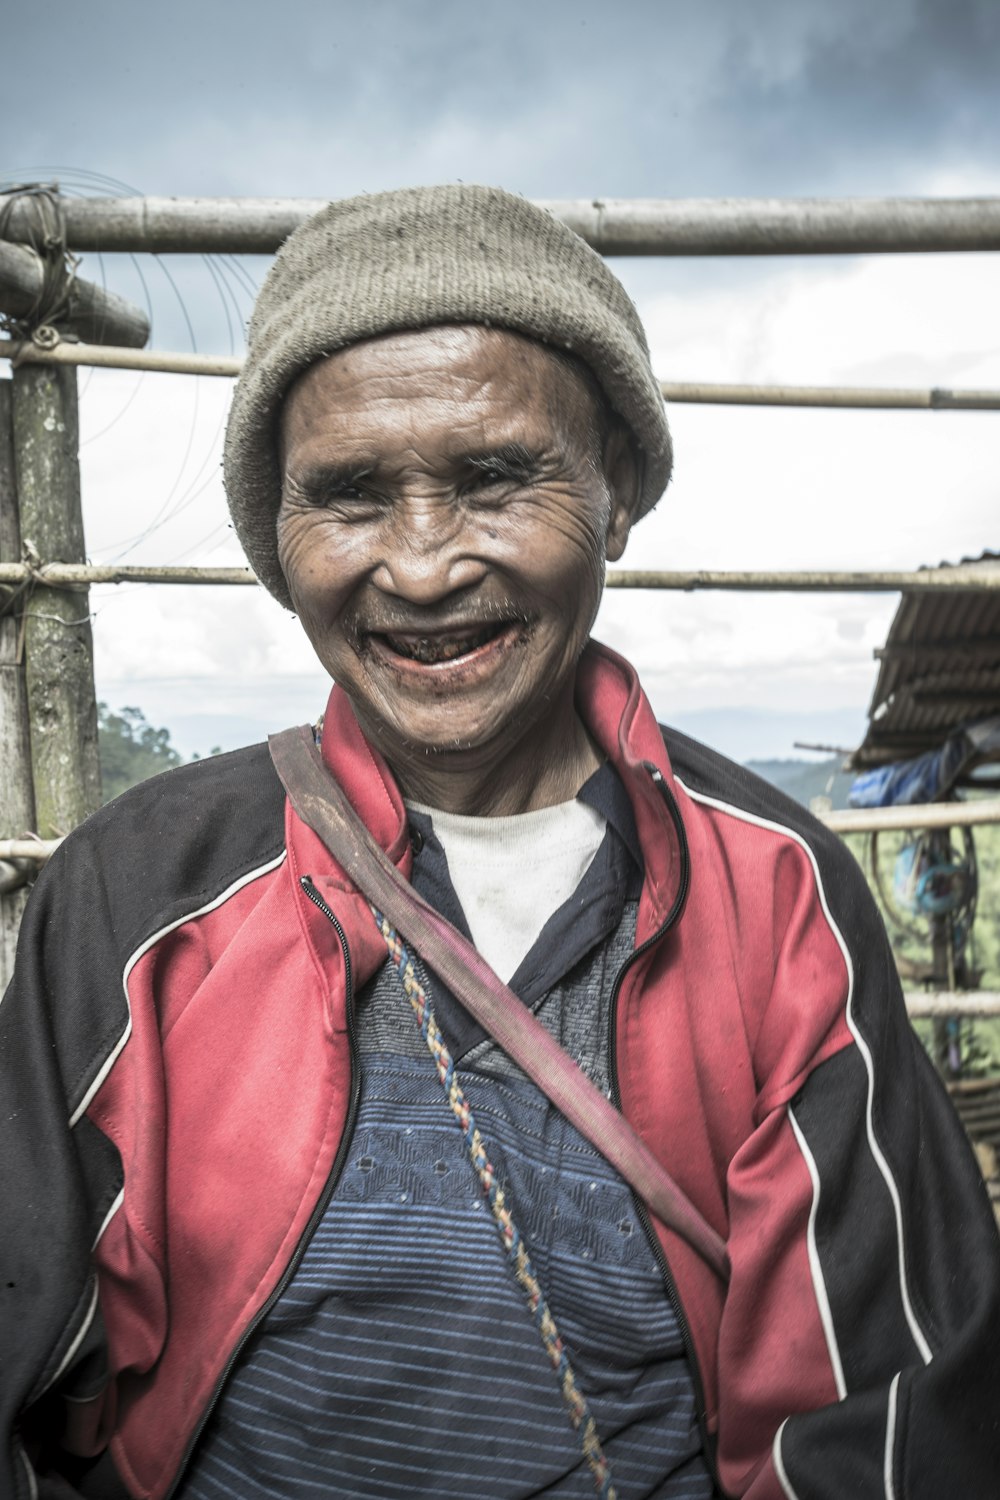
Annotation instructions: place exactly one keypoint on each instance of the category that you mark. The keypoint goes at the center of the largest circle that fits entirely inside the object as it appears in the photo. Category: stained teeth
(429, 649)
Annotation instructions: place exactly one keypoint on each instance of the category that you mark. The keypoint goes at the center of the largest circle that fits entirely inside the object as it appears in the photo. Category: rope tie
(510, 1236)
(46, 236)
(13, 594)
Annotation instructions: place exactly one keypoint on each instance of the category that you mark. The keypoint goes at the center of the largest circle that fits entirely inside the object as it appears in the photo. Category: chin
(458, 743)
(433, 740)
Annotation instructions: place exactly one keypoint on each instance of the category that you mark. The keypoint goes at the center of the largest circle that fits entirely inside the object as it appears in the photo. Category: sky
(553, 99)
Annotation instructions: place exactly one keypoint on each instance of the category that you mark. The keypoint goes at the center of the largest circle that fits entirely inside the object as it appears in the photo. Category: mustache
(391, 617)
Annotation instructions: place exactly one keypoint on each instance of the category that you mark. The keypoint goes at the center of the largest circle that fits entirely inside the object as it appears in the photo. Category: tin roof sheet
(939, 668)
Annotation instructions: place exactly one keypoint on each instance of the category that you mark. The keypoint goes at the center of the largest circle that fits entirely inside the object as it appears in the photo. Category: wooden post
(17, 798)
(58, 642)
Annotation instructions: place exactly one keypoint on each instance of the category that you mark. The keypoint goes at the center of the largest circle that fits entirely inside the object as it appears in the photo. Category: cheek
(296, 539)
(560, 549)
(571, 569)
(315, 558)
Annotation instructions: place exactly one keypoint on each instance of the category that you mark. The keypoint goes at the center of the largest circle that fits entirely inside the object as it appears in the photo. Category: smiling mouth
(430, 648)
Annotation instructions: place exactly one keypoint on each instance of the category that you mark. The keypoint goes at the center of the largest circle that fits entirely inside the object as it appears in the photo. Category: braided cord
(510, 1237)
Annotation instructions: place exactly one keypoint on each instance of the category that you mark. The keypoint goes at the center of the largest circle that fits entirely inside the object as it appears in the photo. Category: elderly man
(247, 1252)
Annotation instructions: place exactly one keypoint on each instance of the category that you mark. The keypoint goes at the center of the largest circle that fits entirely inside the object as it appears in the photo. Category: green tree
(131, 749)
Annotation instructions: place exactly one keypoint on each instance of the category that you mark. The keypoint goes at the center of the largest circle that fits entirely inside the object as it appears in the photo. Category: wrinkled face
(448, 504)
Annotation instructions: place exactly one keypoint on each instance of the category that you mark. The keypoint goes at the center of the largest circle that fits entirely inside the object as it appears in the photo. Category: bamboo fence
(44, 402)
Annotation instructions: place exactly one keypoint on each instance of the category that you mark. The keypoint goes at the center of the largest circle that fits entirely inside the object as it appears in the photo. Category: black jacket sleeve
(60, 1176)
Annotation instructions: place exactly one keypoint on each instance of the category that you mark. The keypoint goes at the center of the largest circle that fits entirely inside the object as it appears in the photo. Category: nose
(428, 554)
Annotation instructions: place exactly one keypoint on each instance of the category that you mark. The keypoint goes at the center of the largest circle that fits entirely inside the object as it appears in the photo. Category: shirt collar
(606, 794)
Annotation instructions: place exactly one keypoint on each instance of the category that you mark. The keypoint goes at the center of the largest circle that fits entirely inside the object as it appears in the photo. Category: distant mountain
(758, 734)
(805, 779)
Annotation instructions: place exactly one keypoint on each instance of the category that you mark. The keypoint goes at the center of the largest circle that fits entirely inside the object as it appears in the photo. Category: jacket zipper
(642, 1213)
(309, 889)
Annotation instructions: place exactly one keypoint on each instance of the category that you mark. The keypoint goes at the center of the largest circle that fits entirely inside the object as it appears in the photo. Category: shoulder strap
(321, 803)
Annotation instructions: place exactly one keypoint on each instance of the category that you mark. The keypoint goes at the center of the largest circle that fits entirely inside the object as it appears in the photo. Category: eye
(344, 491)
(488, 477)
(500, 473)
(347, 495)
(352, 502)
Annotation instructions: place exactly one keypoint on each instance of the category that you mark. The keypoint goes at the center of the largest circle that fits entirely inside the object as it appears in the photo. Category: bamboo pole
(25, 352)
(17, 797)
(614, 226)
(895, 398)
(79, 575)
(967, 1003)
(922, 580)
(917, 815)
(776, 226)
(90, 311)
(881, 819)
(37, 851)
(58, 642)
(942, 1003)
(868, 820)
(840, 397)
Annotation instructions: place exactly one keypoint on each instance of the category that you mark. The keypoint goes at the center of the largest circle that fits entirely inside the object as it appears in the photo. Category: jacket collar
(618, 714)
(620, 719)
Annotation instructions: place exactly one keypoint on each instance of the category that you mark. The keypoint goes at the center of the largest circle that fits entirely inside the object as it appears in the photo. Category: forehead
(421, 378)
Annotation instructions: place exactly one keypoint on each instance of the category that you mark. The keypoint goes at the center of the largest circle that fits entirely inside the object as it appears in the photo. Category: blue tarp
(930, 776)
(906, 781)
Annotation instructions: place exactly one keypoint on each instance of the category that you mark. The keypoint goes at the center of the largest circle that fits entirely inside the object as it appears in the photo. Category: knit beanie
(414, 258)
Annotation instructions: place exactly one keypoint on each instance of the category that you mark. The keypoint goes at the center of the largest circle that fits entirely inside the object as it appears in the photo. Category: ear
(621, 473)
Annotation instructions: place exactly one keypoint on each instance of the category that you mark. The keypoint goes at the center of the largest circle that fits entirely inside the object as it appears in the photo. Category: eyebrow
(513, 460)
(335, 476)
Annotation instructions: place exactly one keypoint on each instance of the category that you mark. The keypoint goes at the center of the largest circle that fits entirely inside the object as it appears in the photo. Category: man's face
(446, 513)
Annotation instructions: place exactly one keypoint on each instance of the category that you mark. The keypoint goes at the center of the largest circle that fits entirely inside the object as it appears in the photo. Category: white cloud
(799, 487)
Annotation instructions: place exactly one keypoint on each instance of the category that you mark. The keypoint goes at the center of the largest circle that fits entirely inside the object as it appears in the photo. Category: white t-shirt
(511, 874)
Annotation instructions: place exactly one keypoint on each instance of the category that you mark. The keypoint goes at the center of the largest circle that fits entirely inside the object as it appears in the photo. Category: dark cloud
(873, 105)
(303, 96)
(564, 98)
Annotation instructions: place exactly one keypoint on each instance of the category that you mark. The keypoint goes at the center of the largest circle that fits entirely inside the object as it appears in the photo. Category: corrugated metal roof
(939, 668)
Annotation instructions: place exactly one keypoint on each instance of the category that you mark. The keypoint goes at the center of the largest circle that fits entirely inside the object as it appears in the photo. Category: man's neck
(548, 765)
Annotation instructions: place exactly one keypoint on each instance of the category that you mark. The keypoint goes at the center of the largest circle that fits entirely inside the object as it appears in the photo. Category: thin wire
(162, 514)
(231, 282)
(222, 527)
(225, 294)
(195, 488)
(88, 374)
(138, 383)
(189, 499)
(79, 178)
(239, 269)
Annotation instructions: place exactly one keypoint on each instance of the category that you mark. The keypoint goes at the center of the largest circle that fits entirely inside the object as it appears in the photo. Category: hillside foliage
(131, 749)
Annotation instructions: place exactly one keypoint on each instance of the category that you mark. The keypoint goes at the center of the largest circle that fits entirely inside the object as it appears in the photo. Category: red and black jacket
(178, 1086)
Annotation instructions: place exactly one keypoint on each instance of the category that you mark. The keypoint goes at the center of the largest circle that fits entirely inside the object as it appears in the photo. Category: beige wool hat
(414, 258)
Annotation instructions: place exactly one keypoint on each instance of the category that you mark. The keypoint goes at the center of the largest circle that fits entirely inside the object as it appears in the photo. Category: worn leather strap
(321, 803)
